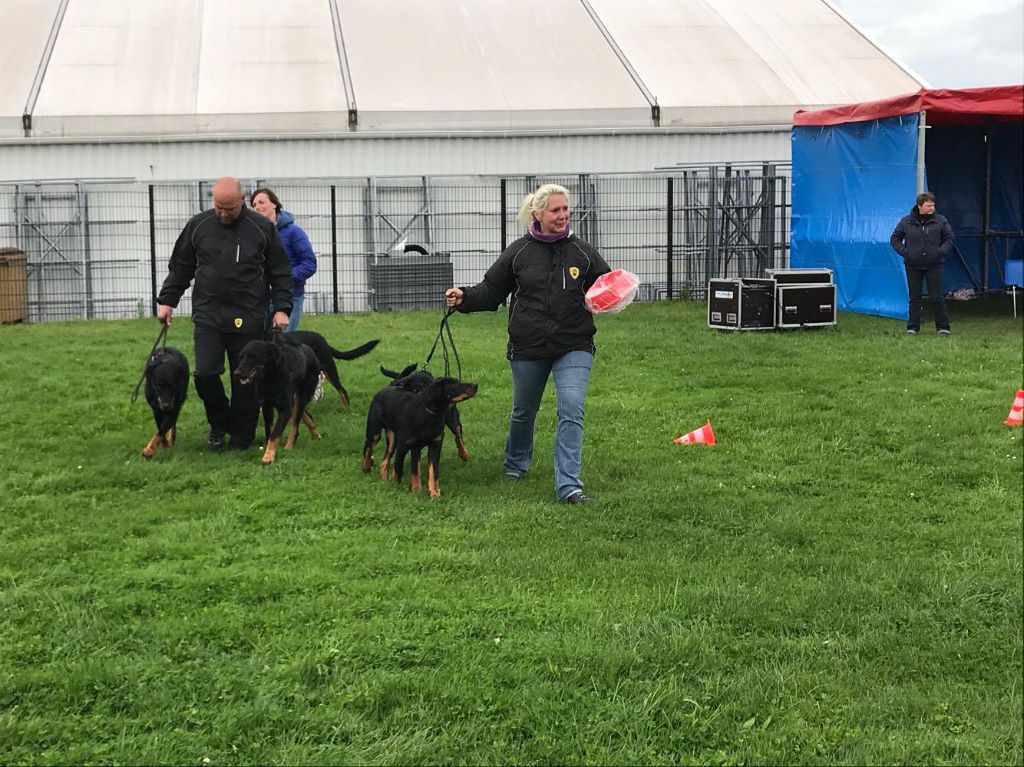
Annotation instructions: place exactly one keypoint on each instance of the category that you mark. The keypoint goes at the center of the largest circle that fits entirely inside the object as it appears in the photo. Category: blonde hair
(538, 201)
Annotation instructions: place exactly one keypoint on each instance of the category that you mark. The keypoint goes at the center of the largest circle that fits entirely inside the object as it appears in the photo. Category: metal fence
(100, 249)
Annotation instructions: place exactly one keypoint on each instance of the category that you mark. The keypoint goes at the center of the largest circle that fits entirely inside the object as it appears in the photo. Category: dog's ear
(407, 370)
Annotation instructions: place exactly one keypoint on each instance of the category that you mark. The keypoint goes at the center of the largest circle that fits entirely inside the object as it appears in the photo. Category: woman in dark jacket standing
(924, 239)
(545, 276)
(296, 244)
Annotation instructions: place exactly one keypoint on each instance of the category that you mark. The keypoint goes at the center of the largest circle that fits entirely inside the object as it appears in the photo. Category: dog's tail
(352, 354)
(393, 374)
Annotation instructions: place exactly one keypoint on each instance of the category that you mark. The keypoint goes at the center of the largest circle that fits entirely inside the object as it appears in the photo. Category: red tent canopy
(1002, 103)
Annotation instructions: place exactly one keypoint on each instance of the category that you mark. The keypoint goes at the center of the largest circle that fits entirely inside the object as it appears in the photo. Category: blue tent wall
(955, 158)
(851, 184)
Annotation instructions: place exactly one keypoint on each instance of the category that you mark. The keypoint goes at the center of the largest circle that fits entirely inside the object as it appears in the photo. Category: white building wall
(606, 152)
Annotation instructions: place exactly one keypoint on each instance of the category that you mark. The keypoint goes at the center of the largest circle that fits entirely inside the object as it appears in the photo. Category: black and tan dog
(412, 379)
(412, 420)
(166, 389)
(326, 354)
(285, 376)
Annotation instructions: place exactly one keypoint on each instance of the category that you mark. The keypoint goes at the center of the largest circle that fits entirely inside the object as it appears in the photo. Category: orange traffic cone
(1016, 416)
(705, 435)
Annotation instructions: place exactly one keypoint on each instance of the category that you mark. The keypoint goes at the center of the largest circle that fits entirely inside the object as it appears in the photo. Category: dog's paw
(150, 449)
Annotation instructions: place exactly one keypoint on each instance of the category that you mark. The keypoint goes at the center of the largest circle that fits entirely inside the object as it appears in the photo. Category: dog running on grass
(166, 389)
(412, 420)
(326, 354)
(285, 375)
(411, 379)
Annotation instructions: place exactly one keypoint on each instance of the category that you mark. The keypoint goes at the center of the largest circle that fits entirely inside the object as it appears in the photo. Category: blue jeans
(571, 372)
(293, 319)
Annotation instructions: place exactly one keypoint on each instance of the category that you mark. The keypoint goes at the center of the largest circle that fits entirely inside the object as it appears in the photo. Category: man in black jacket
(924, 239)
(236, 258)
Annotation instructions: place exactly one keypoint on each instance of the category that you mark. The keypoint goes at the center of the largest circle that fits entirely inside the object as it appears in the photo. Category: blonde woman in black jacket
(544, 275)
(924, 239)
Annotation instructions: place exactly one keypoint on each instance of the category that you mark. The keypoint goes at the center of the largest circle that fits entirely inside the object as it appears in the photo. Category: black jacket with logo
(235, 266)
(922, 241)
(545, 283)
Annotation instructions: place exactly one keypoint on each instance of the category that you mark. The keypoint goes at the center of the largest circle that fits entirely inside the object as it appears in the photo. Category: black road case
(805, 306)
(800, 276)
(743, 303)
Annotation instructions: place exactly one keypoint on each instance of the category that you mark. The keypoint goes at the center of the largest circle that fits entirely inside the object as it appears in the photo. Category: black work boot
(215, 441)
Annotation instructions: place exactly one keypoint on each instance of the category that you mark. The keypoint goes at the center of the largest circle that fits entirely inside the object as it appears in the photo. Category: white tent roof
(113, 68)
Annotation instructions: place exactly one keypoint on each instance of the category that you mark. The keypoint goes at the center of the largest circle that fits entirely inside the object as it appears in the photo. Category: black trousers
(237, 416)
(932, 276)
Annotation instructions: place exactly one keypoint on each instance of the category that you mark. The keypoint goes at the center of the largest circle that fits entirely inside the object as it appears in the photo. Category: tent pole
(988, 210)
(921, 126)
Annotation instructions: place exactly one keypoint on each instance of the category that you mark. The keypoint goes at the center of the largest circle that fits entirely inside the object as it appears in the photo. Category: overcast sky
(948, 43)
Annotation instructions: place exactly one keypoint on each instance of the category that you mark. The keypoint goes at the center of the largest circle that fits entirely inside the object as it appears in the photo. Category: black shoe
(238, 445)
(215, 441)
(514, 476)
(911, 331)
(579, 497)
(944, 331)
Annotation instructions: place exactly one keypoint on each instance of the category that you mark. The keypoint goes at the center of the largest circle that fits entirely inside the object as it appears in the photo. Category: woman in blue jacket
(296, 245)
(924, 239)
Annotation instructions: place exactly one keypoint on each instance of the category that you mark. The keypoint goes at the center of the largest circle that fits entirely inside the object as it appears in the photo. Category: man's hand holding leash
(280, 321)
(453, 296)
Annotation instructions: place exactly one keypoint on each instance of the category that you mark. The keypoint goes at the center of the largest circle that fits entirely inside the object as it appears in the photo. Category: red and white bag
(612, 292)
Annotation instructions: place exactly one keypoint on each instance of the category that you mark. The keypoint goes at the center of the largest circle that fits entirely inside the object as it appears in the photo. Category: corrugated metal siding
(320, 158)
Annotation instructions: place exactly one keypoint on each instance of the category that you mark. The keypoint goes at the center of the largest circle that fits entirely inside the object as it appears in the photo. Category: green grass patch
(838, 580)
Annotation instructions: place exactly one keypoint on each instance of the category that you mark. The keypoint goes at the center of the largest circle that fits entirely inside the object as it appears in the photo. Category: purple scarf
(537, 234)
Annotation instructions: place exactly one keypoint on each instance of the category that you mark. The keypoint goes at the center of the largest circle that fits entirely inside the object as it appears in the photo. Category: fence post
(711, 267)
(670, 207)
(334, 245)
(503, 197)
(152, 250)
(766, 257)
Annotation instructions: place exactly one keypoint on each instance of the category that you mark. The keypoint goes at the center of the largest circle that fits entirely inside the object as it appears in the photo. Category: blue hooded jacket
(299, 250)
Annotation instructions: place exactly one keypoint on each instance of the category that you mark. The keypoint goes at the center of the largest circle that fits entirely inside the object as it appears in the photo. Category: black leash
(446, 345)
(162, 336)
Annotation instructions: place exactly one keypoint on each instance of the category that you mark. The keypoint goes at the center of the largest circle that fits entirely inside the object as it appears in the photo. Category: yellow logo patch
(238, 322)
(574, 272)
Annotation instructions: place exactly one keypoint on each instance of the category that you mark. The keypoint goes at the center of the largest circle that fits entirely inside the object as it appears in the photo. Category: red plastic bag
(612, 292)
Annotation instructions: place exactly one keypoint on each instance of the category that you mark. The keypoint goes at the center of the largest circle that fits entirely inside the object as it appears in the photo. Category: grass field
(838, 580)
